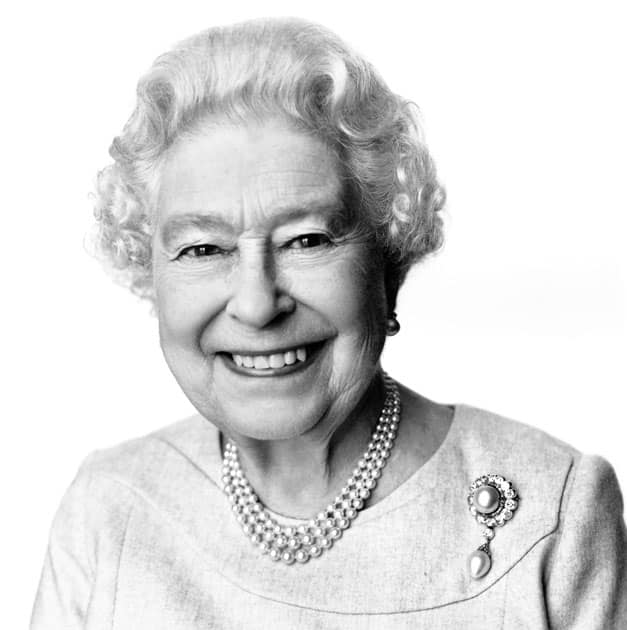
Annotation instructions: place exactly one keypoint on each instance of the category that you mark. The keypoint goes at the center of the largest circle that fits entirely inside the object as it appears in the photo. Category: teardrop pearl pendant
(479, 562)
(492, 501)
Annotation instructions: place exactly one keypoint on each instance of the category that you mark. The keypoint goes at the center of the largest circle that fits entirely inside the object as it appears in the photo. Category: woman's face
(271, 323)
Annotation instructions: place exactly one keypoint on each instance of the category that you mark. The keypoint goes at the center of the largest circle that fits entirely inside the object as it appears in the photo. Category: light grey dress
(145, 538)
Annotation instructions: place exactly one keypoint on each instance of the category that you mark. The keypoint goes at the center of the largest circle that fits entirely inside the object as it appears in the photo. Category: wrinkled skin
(246, 260)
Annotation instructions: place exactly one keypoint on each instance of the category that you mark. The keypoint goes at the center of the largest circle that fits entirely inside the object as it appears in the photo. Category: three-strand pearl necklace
(311, 538)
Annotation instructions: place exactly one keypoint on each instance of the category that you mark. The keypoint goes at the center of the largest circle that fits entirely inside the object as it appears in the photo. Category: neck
(300, 476)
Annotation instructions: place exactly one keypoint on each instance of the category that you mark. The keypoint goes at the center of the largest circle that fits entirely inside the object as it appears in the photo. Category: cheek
(185, 305)
(350, 293)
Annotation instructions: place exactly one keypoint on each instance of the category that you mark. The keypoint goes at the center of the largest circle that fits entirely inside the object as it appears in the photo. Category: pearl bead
(486, 499)
(479, 564)
(334, 533)
(314, 551)
(310, 540)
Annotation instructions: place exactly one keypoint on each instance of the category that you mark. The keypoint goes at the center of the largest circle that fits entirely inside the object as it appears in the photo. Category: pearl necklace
(313, 537)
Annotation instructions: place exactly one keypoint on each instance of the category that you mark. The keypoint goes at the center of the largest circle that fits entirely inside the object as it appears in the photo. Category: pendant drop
(479, 562)
(492, 501)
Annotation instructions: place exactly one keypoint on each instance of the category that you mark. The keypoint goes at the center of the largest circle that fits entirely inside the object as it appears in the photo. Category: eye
(307, 241)
(199, 251)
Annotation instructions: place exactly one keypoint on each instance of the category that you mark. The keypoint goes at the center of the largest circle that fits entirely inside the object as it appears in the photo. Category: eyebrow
(177, 226)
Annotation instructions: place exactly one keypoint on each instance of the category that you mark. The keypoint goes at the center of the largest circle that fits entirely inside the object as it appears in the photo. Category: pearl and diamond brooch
(492, 501)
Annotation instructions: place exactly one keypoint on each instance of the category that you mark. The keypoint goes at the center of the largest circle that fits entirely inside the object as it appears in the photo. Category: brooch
(492, 501)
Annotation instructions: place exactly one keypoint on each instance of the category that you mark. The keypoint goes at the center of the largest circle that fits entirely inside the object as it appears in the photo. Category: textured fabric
(144, 538)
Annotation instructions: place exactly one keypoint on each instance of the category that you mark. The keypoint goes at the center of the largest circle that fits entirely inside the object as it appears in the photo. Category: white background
(523, 312)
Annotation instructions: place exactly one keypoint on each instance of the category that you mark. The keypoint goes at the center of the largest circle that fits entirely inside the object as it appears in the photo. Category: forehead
(248, 174)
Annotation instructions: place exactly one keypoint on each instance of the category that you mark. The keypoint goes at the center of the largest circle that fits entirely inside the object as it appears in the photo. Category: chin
(273, 419)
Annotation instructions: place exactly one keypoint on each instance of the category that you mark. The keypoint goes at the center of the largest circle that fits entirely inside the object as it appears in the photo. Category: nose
(255, 298)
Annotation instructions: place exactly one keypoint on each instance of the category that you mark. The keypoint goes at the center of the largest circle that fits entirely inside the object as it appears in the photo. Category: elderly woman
(269, 195)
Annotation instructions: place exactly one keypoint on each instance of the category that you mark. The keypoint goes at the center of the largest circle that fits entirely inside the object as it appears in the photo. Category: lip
(313, 351)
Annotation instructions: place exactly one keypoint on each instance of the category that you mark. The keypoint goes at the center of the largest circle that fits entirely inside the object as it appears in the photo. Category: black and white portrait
(316, 316)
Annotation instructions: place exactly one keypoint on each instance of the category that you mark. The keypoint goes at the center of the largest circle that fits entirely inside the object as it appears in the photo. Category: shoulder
(155, 471)
(188, 443)
(486, 442)
(121, 498)
(565, 501)
(563, 493)
(492, 433)
(539, 460)
(151, 477)
(540, 467)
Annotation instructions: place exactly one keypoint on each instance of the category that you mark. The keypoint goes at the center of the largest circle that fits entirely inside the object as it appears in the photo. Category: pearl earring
(392, 326)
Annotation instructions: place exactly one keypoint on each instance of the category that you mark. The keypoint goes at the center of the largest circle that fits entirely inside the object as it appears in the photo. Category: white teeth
(277, 361)
(270, 361)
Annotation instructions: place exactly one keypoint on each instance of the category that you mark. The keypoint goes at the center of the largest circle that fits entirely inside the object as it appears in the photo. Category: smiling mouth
(280, 361)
